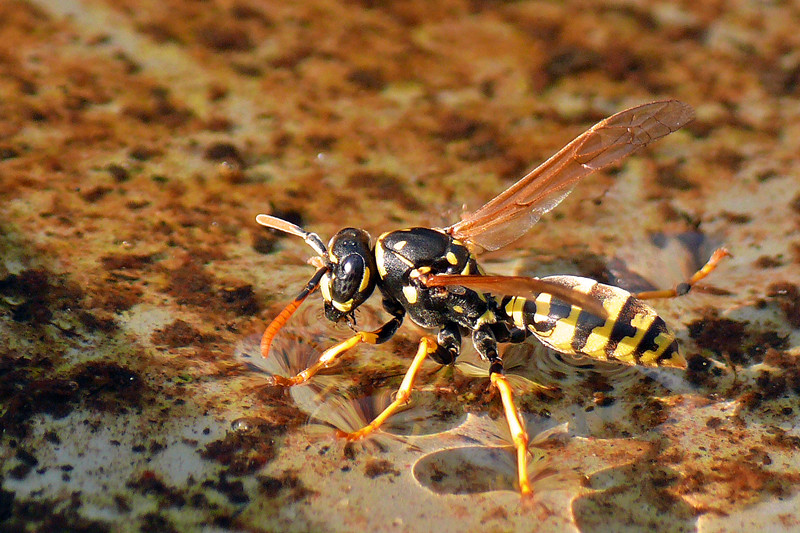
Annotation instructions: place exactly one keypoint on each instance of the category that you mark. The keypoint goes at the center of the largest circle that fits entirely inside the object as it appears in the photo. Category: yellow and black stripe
(633, 333)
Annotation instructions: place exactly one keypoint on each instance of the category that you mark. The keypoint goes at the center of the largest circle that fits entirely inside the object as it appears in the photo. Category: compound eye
(349, 273)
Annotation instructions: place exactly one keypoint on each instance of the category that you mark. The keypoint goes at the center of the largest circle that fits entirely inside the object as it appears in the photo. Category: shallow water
(138, 140)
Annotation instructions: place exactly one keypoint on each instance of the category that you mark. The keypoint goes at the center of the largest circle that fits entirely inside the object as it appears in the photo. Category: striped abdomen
(632, 333)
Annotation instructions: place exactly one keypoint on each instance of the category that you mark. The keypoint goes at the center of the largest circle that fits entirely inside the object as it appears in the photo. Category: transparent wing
(519, 286)
(511, 213)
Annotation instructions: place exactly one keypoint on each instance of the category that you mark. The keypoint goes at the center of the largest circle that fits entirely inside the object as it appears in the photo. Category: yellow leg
(426, 347)
(326, 359)
(683, 288)
(518, 434)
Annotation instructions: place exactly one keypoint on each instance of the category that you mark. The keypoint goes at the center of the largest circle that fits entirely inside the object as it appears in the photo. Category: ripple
(297, 346)
(479, 469)
(339, 410)
(540, 367)
(489, 462)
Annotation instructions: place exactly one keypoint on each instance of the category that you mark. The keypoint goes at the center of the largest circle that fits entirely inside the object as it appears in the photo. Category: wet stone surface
(138, 140)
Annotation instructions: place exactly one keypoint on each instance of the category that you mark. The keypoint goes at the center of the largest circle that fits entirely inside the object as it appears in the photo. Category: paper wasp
(432, 276)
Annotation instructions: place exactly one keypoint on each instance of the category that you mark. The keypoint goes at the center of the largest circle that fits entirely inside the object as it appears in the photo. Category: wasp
(432, 276)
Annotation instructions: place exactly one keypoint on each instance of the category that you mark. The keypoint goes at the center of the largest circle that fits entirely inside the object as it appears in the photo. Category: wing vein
(512, 212)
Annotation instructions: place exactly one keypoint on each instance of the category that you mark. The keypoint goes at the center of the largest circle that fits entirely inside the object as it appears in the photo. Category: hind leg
(683, 288)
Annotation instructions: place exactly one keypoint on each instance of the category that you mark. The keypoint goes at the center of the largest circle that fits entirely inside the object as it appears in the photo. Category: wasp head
(351, 274)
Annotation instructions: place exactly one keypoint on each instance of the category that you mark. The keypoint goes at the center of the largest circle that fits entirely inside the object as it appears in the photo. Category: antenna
(312, 239)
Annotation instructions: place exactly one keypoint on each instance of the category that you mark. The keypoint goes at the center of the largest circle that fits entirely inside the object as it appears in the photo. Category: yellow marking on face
(380, 259)
(343, 307)
(451, 258)
(466, 271)
(325, 287)
(458, 309)
(364, 280)
(626, 349)
(410, 293)
(399, 245)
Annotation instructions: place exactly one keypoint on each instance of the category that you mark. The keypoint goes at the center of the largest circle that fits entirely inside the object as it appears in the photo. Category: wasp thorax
(351, 278)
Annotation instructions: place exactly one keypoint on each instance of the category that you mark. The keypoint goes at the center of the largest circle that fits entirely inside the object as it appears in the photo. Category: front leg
(329, 356)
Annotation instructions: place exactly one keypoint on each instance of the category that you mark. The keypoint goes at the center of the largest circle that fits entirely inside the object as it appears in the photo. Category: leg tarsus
(518, 434)
(484, 340)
